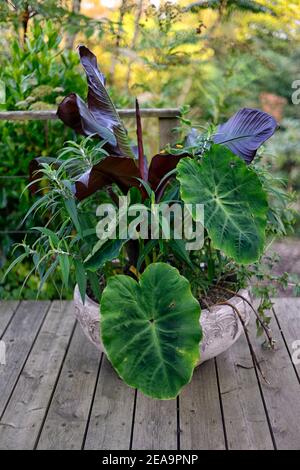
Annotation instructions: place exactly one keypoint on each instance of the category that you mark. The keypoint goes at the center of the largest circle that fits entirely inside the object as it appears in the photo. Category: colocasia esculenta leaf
(151, 334)
(235, 204)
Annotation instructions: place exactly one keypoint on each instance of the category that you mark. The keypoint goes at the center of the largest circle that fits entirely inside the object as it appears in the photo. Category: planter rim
(234, 299)
(220, 324)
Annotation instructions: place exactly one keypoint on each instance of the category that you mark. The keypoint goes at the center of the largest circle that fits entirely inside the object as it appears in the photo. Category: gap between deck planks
(60, 392)
(19, 338)
(25, 412)
(282, 396)
(7, 310)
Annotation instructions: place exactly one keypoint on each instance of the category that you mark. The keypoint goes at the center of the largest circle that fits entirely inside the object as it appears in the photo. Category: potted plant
(153, 304)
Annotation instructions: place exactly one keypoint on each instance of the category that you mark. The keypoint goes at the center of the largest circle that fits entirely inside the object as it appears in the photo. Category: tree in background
(20, 13)
(235, 48)
(210, 54)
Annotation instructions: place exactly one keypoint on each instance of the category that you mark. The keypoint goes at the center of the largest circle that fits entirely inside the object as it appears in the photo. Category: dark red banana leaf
(75, 114)
(161, 164)
(245, 132)
(140, 146)
(100, 115)
(124, 172)
(113, 169)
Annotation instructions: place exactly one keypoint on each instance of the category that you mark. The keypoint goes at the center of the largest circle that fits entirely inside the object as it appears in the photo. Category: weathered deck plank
(67, 417)
(19, 338)
(282, 396)
(7, 309)
(244, 414)
(111, 416)
(288, 315)
(155, 424)
(52, 394)
(21, 422)
(201, 421)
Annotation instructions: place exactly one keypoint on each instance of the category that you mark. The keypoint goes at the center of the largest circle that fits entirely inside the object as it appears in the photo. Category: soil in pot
(221, 292)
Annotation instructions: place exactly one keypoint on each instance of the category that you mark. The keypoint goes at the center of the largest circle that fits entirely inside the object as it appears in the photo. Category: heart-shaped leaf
(151, 331)
(245, 132)
(235, 204)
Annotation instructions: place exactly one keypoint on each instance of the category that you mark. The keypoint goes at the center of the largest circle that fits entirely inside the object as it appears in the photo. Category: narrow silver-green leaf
(64, 263)
(73, 213)
(107, 252)
(54, 239)
(16, 261)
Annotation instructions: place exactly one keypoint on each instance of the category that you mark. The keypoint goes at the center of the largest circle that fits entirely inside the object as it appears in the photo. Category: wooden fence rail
(167, 118)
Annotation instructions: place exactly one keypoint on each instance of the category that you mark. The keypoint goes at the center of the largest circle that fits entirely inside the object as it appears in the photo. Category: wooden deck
(57, 392)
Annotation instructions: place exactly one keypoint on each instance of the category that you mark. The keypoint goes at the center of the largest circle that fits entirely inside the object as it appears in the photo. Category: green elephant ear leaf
(151, 331)
(235, 204)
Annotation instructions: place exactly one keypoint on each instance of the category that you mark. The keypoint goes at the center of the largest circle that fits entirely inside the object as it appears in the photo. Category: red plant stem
(262, 324)
(139, 133)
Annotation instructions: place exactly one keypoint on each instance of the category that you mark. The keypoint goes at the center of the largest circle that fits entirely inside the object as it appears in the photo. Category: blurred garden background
(208, 58)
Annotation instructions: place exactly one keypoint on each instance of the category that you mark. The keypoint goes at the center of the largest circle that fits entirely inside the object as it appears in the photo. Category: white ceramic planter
(221, 326)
